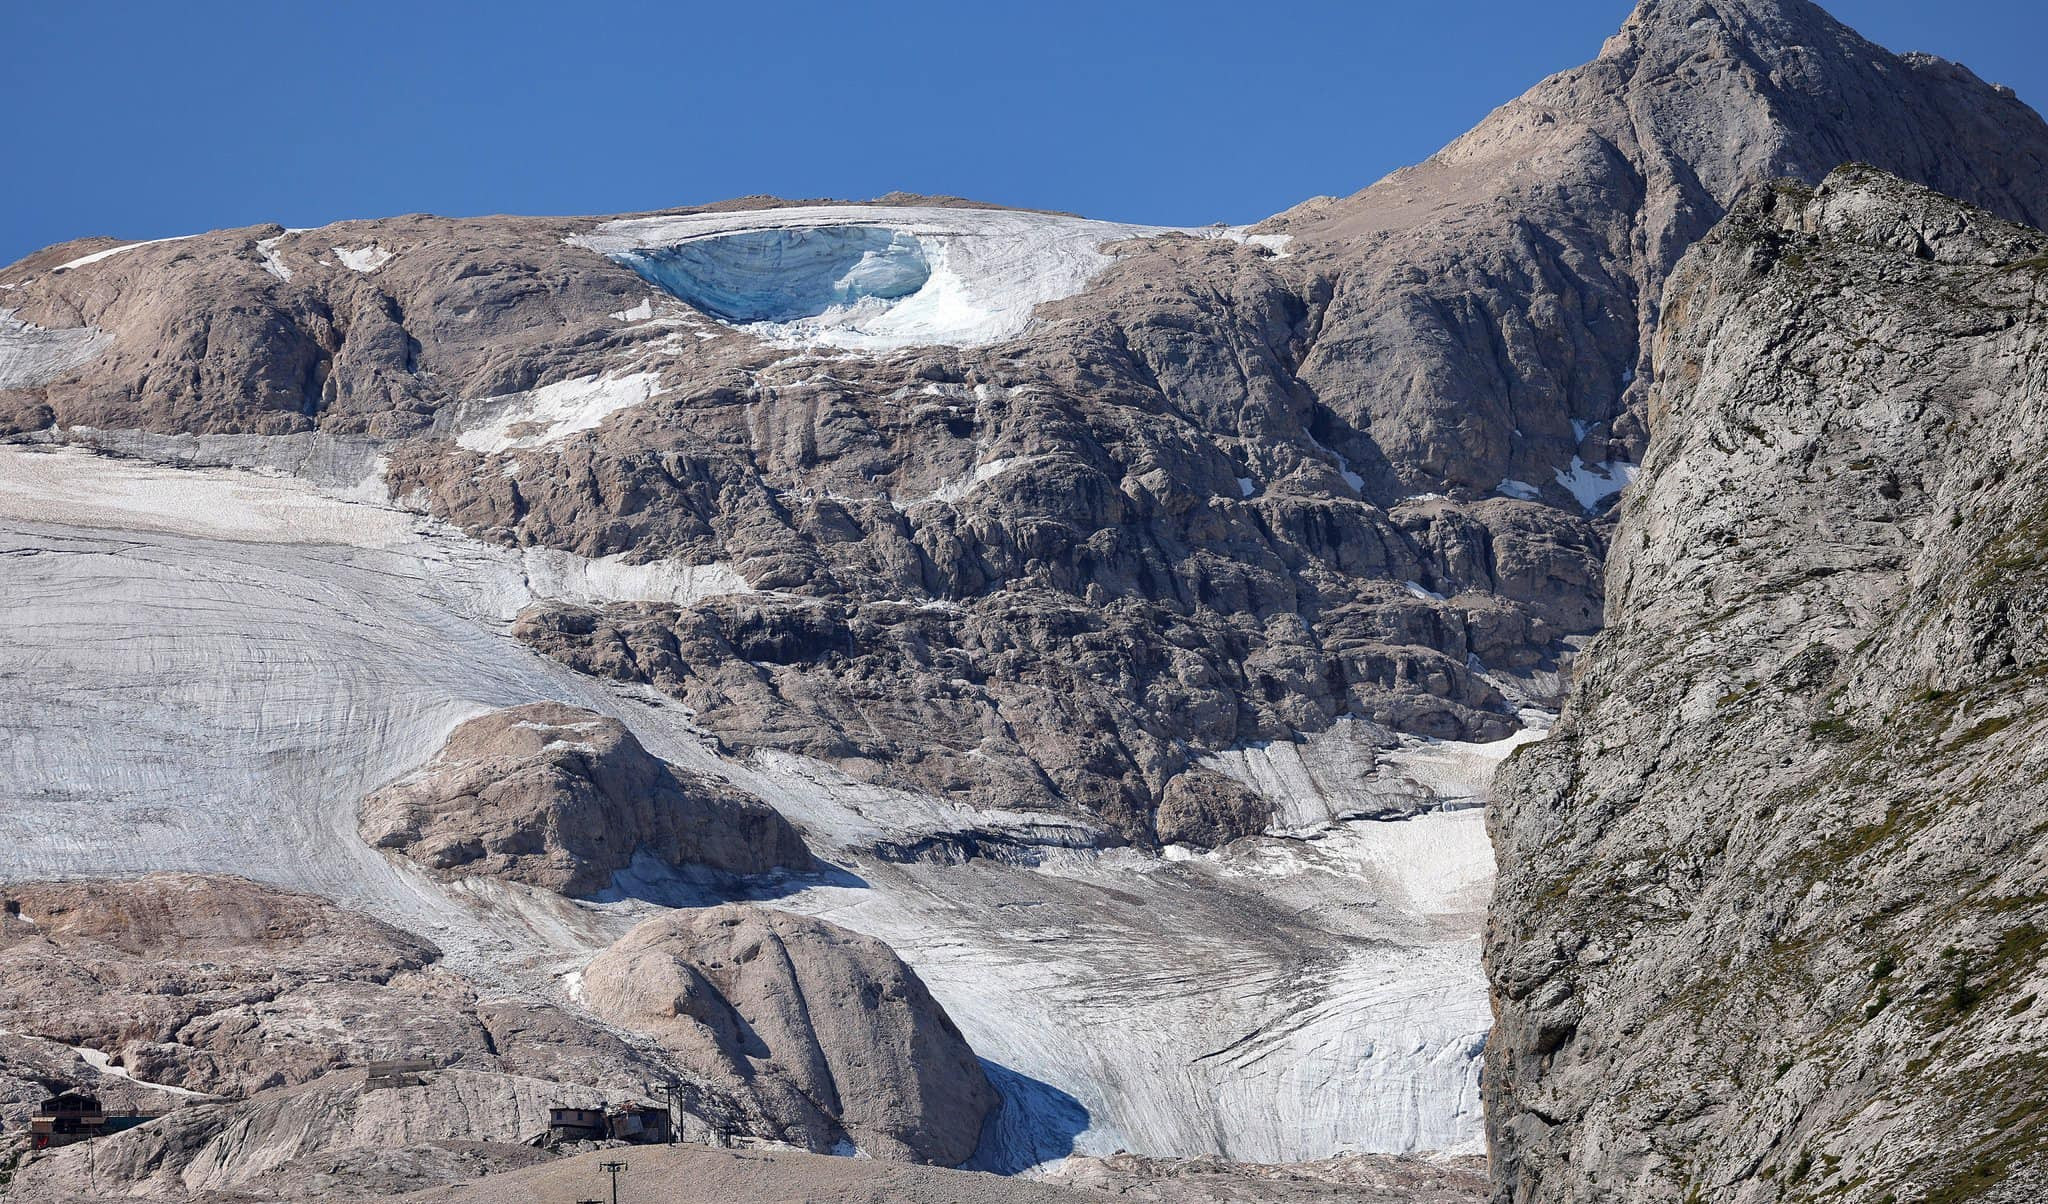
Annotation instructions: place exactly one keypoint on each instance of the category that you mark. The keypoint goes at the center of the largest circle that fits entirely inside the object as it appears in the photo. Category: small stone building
(641, 1124)
(637, 1123)
(575, 1124)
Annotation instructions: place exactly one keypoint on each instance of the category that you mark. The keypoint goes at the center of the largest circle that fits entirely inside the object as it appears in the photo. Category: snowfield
(208, 669)
(871, 277)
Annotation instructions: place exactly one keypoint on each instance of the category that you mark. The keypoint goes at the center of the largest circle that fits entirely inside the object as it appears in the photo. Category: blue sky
(147, 119)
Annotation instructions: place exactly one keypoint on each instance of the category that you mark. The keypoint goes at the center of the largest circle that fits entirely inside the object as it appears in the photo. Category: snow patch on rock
(110, 252)
(1355, 769)
(567, 577)
(1592, 483)
(957, 490)
(1344, 469)
(105, 1065)
(267, 248)
(363, 259)
(550, 413)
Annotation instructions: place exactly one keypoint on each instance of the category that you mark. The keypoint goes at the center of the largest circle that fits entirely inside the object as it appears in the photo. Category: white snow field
(207, 669)
(871, 277)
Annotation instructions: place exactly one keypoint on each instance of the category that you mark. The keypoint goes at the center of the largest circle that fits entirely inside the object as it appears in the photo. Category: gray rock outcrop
(563, 798)
(1770, 918)
(829, 1028)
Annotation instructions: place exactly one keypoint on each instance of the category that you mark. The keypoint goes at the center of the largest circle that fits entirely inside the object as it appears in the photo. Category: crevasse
(787, 274)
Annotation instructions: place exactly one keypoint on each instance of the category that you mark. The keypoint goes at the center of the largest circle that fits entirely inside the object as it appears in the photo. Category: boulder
(830, 1029)
(563, 798)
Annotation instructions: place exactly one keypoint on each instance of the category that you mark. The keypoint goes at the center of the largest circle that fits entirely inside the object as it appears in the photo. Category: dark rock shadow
(1035, 1123)
(651, 880)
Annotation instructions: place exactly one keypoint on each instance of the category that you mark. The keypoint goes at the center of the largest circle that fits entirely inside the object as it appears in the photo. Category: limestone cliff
(1773, 895)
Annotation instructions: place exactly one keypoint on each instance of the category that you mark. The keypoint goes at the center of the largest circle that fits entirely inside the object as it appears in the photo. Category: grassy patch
(1988, 727)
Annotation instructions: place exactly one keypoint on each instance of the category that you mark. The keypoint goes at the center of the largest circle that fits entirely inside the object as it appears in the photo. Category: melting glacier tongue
(787, 274)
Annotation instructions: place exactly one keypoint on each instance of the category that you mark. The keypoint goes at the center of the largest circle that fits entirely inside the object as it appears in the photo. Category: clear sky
(145, 119)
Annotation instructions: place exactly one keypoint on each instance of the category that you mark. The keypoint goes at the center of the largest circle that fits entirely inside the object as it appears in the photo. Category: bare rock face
(563, 798)
(246, 1015)
(333, 1138)
(1770, 918)
(1361, 1178)
(1496, 303)
(218, 984)
(829, 1029)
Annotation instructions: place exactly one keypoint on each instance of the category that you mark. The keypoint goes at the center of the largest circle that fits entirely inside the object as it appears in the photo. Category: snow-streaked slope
(978, 273)
(1353, 769)
(209, 668)
(550, 413)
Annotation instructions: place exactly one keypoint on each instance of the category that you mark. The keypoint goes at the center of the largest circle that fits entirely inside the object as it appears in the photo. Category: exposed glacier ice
(1521, 490)
(871, 277)
(211, 667)
(779, 276)
(31, 355)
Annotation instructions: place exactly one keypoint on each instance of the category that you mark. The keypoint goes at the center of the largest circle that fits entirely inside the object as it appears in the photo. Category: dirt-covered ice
(209, 668)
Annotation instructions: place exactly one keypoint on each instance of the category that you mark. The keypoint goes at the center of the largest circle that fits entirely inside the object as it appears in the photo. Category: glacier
(217, 663)
(872, 277)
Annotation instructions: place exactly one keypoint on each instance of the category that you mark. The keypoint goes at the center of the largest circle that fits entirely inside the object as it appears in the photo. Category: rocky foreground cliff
(1773, 895)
